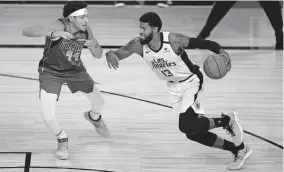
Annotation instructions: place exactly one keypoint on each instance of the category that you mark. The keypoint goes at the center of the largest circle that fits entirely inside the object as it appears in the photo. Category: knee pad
(193, 137)
(192, 123)
(187, 121)
(207, 138)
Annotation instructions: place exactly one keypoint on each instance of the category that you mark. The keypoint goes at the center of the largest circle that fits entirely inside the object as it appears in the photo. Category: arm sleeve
(204, 44)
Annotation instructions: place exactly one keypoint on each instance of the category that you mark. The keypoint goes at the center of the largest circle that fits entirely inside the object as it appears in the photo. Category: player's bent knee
(188, 122)
(188, 128)
(192, 137)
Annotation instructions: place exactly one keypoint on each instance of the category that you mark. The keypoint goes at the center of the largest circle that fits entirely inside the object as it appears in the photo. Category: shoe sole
(248, 154)
(236, 119)
(62, 157)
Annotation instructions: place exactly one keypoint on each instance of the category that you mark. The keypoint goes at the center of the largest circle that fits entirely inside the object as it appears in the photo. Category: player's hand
(228, 59)
(112, 60)
(63, 34)
(89, 44)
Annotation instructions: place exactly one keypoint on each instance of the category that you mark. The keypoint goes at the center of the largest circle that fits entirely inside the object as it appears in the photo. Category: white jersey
(167, 64)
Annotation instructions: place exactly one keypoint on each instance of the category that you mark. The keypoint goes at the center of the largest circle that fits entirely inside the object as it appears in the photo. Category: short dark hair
(152, 19)
(72, 6)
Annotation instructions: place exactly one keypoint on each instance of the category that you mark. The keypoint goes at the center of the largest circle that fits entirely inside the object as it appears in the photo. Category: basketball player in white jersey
(164, 53)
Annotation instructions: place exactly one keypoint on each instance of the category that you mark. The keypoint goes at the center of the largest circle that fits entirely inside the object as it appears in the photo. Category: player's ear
(71, 18)
(155, 29)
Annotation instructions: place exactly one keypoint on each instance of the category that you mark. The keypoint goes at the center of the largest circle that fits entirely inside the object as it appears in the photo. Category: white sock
(62, 134)
(94, 116)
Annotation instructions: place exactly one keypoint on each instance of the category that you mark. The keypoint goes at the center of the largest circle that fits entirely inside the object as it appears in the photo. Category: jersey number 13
(167, 73)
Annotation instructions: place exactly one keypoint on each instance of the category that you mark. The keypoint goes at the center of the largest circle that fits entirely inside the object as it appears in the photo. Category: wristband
(51, 33)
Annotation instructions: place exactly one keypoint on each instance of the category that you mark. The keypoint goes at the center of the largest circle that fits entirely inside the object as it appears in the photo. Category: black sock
(230, 146)
(241, 146)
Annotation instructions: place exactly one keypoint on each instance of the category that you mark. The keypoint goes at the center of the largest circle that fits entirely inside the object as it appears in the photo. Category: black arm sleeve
(204, 44)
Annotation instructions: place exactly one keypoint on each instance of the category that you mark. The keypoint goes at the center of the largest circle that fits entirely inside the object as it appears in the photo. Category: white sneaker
(234, 128)
(62, 150)
(240, 157)
(99, 125)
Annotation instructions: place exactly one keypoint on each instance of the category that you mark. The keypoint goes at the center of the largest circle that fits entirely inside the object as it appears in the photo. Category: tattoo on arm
(181, 40)
(131, 47)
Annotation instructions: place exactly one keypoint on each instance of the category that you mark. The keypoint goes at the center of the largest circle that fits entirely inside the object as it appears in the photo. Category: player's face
(81, 22)
(146, 33)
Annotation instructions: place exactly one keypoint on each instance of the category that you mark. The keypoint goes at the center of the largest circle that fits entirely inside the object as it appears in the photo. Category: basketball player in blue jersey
(61, 63)
(164, 53)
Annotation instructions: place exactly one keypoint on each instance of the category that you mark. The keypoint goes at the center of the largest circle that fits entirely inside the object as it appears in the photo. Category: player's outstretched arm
(93, 45)
(181, 41)
(113, 57)
(50, 29)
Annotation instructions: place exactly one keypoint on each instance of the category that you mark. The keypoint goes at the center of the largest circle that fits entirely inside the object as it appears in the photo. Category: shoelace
(229, 129)
(62, 145)
(236, 157)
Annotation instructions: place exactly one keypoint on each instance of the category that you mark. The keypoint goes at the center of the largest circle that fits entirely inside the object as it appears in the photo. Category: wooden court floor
(145, 136)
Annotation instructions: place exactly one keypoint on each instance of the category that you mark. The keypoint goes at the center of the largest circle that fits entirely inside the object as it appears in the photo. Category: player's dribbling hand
(228, 59)
(112, 60)
(63, 34)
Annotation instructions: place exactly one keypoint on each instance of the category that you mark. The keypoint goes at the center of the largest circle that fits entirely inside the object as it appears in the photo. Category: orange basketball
(215, 67)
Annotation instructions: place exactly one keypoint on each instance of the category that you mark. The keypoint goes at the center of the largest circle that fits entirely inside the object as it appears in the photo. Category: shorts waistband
(182, 80)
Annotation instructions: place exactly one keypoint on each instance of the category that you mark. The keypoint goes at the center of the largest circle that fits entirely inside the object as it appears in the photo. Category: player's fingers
(89, 45)
(115, 62)
(114, 65)
(88, 41)
(109, 66)
(112, 61)
(69, 35)
(66, 37)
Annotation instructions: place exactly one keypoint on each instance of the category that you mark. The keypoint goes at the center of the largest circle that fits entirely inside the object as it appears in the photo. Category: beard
(147, 39)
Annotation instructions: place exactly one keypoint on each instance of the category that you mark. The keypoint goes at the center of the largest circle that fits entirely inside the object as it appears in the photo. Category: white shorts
(187, 94)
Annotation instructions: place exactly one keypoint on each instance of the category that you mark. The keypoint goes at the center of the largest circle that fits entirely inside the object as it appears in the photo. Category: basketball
(215, 67)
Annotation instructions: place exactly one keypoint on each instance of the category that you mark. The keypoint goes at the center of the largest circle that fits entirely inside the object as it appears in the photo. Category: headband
(80, 12)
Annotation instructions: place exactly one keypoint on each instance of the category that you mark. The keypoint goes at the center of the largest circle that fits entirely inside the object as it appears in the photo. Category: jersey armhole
(181, 50)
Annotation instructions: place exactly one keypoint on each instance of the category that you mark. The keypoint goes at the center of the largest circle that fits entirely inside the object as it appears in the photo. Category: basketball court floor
(145, 134)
